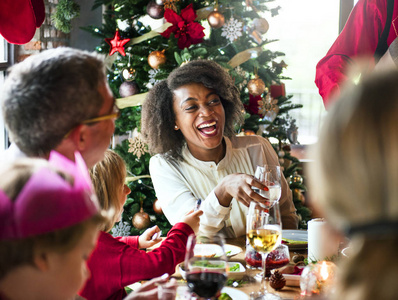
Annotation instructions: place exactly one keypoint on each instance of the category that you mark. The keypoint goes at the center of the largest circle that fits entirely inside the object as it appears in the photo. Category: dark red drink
(206, 284)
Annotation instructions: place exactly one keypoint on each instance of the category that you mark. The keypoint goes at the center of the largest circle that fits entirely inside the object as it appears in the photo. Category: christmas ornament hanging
(154, 10)
(295, 178)
(292, 133)
(216, 19)
(156, 58)
(156, 207)
(128, 73)
(141, 219)
(256, 36)
(128, 88)
(256, 86)
(117, 44)
(261, 25)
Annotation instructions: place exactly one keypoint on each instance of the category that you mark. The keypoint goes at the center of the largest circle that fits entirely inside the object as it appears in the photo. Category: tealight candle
(317, 279)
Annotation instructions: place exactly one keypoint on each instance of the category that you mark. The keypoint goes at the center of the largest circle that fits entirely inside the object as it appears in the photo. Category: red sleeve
(129, 240)
(358, 39)
(139, 265)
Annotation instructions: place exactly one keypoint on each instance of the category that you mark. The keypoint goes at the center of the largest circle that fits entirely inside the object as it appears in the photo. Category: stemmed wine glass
(270, 176)
(264, 232)
(206, 266)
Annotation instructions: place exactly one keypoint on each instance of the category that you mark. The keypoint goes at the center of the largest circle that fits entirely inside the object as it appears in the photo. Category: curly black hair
(158, 118)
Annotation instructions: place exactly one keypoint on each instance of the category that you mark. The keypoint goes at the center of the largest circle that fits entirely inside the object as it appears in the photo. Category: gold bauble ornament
(141, 220)
(256, 86)
(156, 58)
(261, 25)
(216, 19)
(295, 178)
(157, 208)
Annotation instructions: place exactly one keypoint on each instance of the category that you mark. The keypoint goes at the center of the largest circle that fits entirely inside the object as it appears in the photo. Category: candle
(322, 243)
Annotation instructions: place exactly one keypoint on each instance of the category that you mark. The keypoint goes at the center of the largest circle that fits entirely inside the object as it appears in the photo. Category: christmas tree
(230, 32)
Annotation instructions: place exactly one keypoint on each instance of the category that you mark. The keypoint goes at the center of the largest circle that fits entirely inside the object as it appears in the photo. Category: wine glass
(270, 176)
(264, 232)
(206, 266)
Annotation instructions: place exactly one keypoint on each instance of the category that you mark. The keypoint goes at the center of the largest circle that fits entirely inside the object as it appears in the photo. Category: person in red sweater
(370, 29)
(118, 261)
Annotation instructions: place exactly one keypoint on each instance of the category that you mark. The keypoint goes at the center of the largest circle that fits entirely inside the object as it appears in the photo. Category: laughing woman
(188, 122)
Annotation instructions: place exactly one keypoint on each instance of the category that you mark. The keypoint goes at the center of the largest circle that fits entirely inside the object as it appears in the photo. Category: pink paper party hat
(47, 202)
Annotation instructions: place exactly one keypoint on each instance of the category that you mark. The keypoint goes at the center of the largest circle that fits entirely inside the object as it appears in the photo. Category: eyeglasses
(114, 115)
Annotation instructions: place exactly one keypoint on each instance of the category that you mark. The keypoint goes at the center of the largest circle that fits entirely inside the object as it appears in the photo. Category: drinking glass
(264, 232)
(270, 176)
(206, 266)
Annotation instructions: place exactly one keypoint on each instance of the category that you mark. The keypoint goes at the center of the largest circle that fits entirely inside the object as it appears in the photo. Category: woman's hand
(239, 186)
(145, 240)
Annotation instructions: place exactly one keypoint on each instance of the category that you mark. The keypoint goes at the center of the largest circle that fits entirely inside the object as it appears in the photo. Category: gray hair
(48, 94)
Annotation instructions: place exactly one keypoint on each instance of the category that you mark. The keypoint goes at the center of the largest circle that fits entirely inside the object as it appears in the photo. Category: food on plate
(224, 296)
(293, 242)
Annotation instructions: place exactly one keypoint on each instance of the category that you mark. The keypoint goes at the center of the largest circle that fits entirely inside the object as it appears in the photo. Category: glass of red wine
(206, 266)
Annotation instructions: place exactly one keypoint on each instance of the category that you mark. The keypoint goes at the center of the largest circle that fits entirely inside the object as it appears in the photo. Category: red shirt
(358, 39)
(117, 262)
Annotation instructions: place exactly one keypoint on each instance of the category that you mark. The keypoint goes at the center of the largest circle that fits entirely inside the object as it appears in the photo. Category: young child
(118, 262)
(49, 220)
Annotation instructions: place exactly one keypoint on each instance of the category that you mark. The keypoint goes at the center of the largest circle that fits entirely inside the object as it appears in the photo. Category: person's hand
(192, 219)
(149, 290)
(239, 186)
(145, 239)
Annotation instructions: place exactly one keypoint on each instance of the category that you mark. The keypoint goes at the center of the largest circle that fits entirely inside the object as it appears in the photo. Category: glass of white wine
(270, 176)
(264, 232)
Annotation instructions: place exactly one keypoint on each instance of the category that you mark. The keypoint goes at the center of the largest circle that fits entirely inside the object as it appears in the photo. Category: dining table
(250, 282)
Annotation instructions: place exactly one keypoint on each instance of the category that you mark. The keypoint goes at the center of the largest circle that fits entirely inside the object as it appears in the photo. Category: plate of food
(230, 250)
(236, 269)
(295, 239)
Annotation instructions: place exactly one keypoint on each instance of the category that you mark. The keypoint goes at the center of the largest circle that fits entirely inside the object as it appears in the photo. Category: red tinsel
(184, 28)
(253, 106)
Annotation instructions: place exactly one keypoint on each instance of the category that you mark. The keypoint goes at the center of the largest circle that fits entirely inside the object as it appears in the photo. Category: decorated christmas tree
(230, 32)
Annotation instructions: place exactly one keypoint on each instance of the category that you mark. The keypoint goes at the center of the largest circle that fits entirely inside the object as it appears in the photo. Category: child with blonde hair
(49, 219)
(118, 262)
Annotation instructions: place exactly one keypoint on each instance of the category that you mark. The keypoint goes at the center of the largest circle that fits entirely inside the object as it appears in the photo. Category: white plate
(230, 250)
(296, 235)
(235, 294)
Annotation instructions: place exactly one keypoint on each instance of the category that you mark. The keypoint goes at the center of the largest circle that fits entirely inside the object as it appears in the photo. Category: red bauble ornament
(117, 44)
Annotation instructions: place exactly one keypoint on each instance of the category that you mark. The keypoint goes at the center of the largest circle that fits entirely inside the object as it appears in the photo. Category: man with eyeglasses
(58, 100)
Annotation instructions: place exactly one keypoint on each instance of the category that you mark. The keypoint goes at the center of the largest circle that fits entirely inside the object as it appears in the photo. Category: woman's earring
(175, 127)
